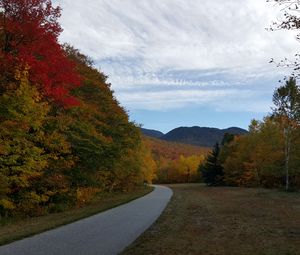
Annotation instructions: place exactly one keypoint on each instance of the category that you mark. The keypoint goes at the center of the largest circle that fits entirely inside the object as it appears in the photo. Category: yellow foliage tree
(255, 159)
(28, 149)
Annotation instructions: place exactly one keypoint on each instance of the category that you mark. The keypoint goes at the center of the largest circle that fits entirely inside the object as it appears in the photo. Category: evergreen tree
(227, 138)
(212, 170)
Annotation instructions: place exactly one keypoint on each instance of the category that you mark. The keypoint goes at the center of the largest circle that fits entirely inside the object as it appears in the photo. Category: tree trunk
(287, 137)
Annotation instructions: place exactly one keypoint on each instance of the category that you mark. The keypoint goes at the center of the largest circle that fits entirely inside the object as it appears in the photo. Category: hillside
(173, 150)
(152, 132)
(176, 162)
(200, 136)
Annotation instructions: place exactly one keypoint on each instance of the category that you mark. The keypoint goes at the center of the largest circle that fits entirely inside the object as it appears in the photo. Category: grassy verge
(224, 221)
(20, 228)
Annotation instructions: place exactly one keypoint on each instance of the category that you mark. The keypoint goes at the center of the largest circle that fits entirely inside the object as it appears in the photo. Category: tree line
(63, 135)
(269, 155)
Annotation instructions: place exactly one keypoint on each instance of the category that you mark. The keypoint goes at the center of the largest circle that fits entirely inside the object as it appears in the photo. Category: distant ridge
(152, 133)
(200, 136)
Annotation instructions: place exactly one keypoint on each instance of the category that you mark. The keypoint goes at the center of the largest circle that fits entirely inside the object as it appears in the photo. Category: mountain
(152, 133)
(200, 136)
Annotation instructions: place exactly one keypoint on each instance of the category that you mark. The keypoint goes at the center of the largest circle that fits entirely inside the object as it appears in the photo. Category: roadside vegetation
(12, 229)
(64, 138)
(269, 155)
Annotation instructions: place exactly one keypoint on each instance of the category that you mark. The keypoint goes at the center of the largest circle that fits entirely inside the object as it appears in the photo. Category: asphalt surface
(108, 232)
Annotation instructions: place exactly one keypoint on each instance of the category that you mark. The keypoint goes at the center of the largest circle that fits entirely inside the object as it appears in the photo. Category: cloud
(230, 100)
(149, 47)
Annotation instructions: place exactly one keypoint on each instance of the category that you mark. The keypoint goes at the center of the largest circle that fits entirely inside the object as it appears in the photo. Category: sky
(178, 63)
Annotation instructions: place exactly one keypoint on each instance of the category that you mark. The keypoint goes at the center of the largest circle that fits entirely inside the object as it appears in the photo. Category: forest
(176, 162)
(269, 155)
(63, 135)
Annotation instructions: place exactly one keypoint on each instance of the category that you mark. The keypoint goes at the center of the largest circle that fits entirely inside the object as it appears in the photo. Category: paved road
(105, 233)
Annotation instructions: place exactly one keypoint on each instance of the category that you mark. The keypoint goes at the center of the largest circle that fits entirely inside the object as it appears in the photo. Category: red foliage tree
(29, 33)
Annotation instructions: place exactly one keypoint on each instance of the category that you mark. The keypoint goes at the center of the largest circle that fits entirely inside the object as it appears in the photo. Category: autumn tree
(291, 18)
(254, 159)
(29, 33)
(27, 148)
(188, 167)
(107, 145)
(287, 110)
(148, 165)
(289, 21)
(227, 138)
(54, 156)
(21, 159)
(285, 98)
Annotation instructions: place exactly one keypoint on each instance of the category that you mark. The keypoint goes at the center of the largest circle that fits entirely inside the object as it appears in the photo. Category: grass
(20, 228)
(224, 221)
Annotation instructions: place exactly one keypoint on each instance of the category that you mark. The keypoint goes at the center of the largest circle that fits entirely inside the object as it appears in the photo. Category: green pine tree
(212, 171)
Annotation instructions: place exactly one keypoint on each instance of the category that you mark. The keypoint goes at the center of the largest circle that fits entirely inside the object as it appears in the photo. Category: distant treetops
(269, 156)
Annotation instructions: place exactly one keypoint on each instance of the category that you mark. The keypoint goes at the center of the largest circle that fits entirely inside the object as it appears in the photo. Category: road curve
(108, 232)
